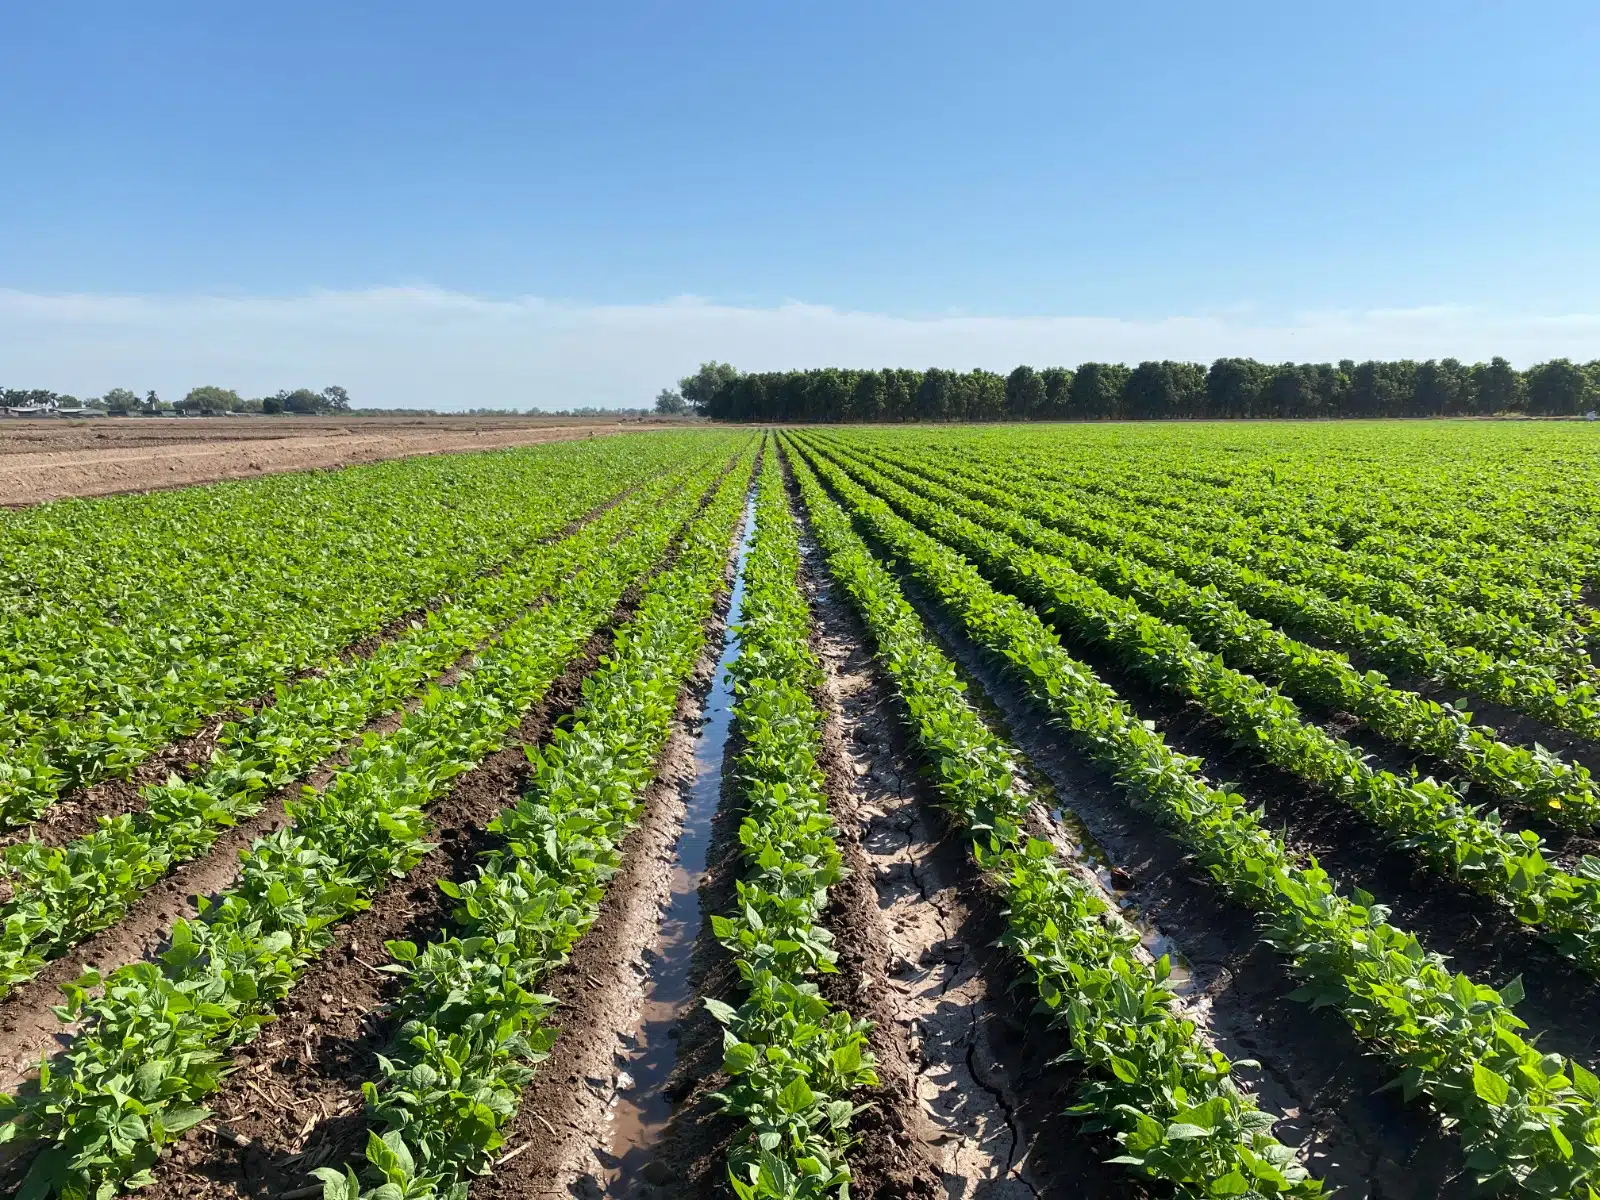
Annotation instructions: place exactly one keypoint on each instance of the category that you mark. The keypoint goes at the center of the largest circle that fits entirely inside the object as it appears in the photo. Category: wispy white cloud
(423, 346)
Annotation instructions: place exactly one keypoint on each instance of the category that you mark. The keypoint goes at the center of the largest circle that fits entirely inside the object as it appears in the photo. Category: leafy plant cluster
(154, 1039)
(1525, 686)
(132, 620)
(1421, 813)
(1455, 585)
(1534, 779)
(1150, 1079)
(793, 1060)
(1525, 1118)
(57, 896)
(1501, 540)
(472, 1023)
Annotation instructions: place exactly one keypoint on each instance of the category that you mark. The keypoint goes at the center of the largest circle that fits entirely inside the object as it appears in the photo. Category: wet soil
(1480, 936)
(1314, 1071)
(1508, 724)
(665, 1131)
(566, 1139)
(958, 1111)
(1476, 933)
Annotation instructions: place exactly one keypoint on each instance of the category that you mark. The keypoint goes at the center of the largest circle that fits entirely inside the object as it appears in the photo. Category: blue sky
(1172, 180)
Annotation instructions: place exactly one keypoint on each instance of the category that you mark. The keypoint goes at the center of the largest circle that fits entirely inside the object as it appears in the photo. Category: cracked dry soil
(985, 1103)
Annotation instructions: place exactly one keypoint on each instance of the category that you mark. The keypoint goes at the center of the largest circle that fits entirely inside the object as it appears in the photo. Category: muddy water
(642, 1108)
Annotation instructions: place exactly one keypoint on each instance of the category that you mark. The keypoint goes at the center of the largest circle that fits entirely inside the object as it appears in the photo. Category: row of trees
(1230, 387)
(200, 401)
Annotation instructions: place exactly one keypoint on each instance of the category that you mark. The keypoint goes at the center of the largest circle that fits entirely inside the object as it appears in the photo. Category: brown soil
(558, 1143)
(917, 959)
(1508, 724)
(334, 1024)
(563, 1130)
(1313, 1071)
(294, 1102)
(28, 1027)
(44, 460)
(1479, 935)
(1325, 1083)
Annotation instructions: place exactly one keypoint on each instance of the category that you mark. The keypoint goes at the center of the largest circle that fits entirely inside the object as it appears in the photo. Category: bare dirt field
(48, 459)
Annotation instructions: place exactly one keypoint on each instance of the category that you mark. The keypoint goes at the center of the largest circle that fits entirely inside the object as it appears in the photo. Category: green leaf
(1490, 1087)
(796, 1097)
(1511, 995)
(739, 1058)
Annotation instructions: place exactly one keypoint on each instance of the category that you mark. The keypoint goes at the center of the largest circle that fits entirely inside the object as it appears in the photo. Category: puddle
(642, 1108)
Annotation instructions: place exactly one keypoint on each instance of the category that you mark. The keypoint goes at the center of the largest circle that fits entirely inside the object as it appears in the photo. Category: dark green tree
(700, 390)
(1498, 387)
(1025, 394)
(1558, 388)
(1057, 392)
(1096, 393)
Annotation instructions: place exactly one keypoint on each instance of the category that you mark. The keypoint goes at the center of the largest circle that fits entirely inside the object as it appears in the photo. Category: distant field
(1104, 810)
(46, 459)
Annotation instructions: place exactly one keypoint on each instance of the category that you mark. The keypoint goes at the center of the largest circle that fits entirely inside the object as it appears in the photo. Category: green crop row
(1152, 1082)
(155, 1037)
(472, 1023)
(793, 1060)
(1526, 1119)
(1483, 605)
(1420, 813)
(1387, 641)
(57, 896)
(1520, 628)
(100, 670)
(1489, 526)
(1533, 779)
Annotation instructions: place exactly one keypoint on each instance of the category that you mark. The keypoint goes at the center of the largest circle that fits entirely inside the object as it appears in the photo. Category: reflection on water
(642, 1107)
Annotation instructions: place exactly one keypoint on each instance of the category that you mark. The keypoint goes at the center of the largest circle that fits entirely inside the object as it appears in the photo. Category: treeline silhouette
(1230, 387)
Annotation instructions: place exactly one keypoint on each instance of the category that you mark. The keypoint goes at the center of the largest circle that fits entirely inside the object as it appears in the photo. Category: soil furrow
(558, 1144)
(295, 1102)
(333, 1024)
(27, 1026)
(1479, 935)
(1509, 724)
(968, 1105)
(1314, 1072)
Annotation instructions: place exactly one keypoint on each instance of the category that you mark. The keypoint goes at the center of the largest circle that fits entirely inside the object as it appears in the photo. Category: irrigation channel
(644, 1101)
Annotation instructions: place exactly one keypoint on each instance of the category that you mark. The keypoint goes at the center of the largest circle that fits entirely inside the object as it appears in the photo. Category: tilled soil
(309, 1066)
(1478, 935)
(560, 1141)
(1313, 1071)
(27, 1026)
(294, 1102)
(1508, 724)
(43, 460)
(948, 1117)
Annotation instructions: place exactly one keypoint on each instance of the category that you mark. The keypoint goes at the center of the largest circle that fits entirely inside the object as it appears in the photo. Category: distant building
(33, 408)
